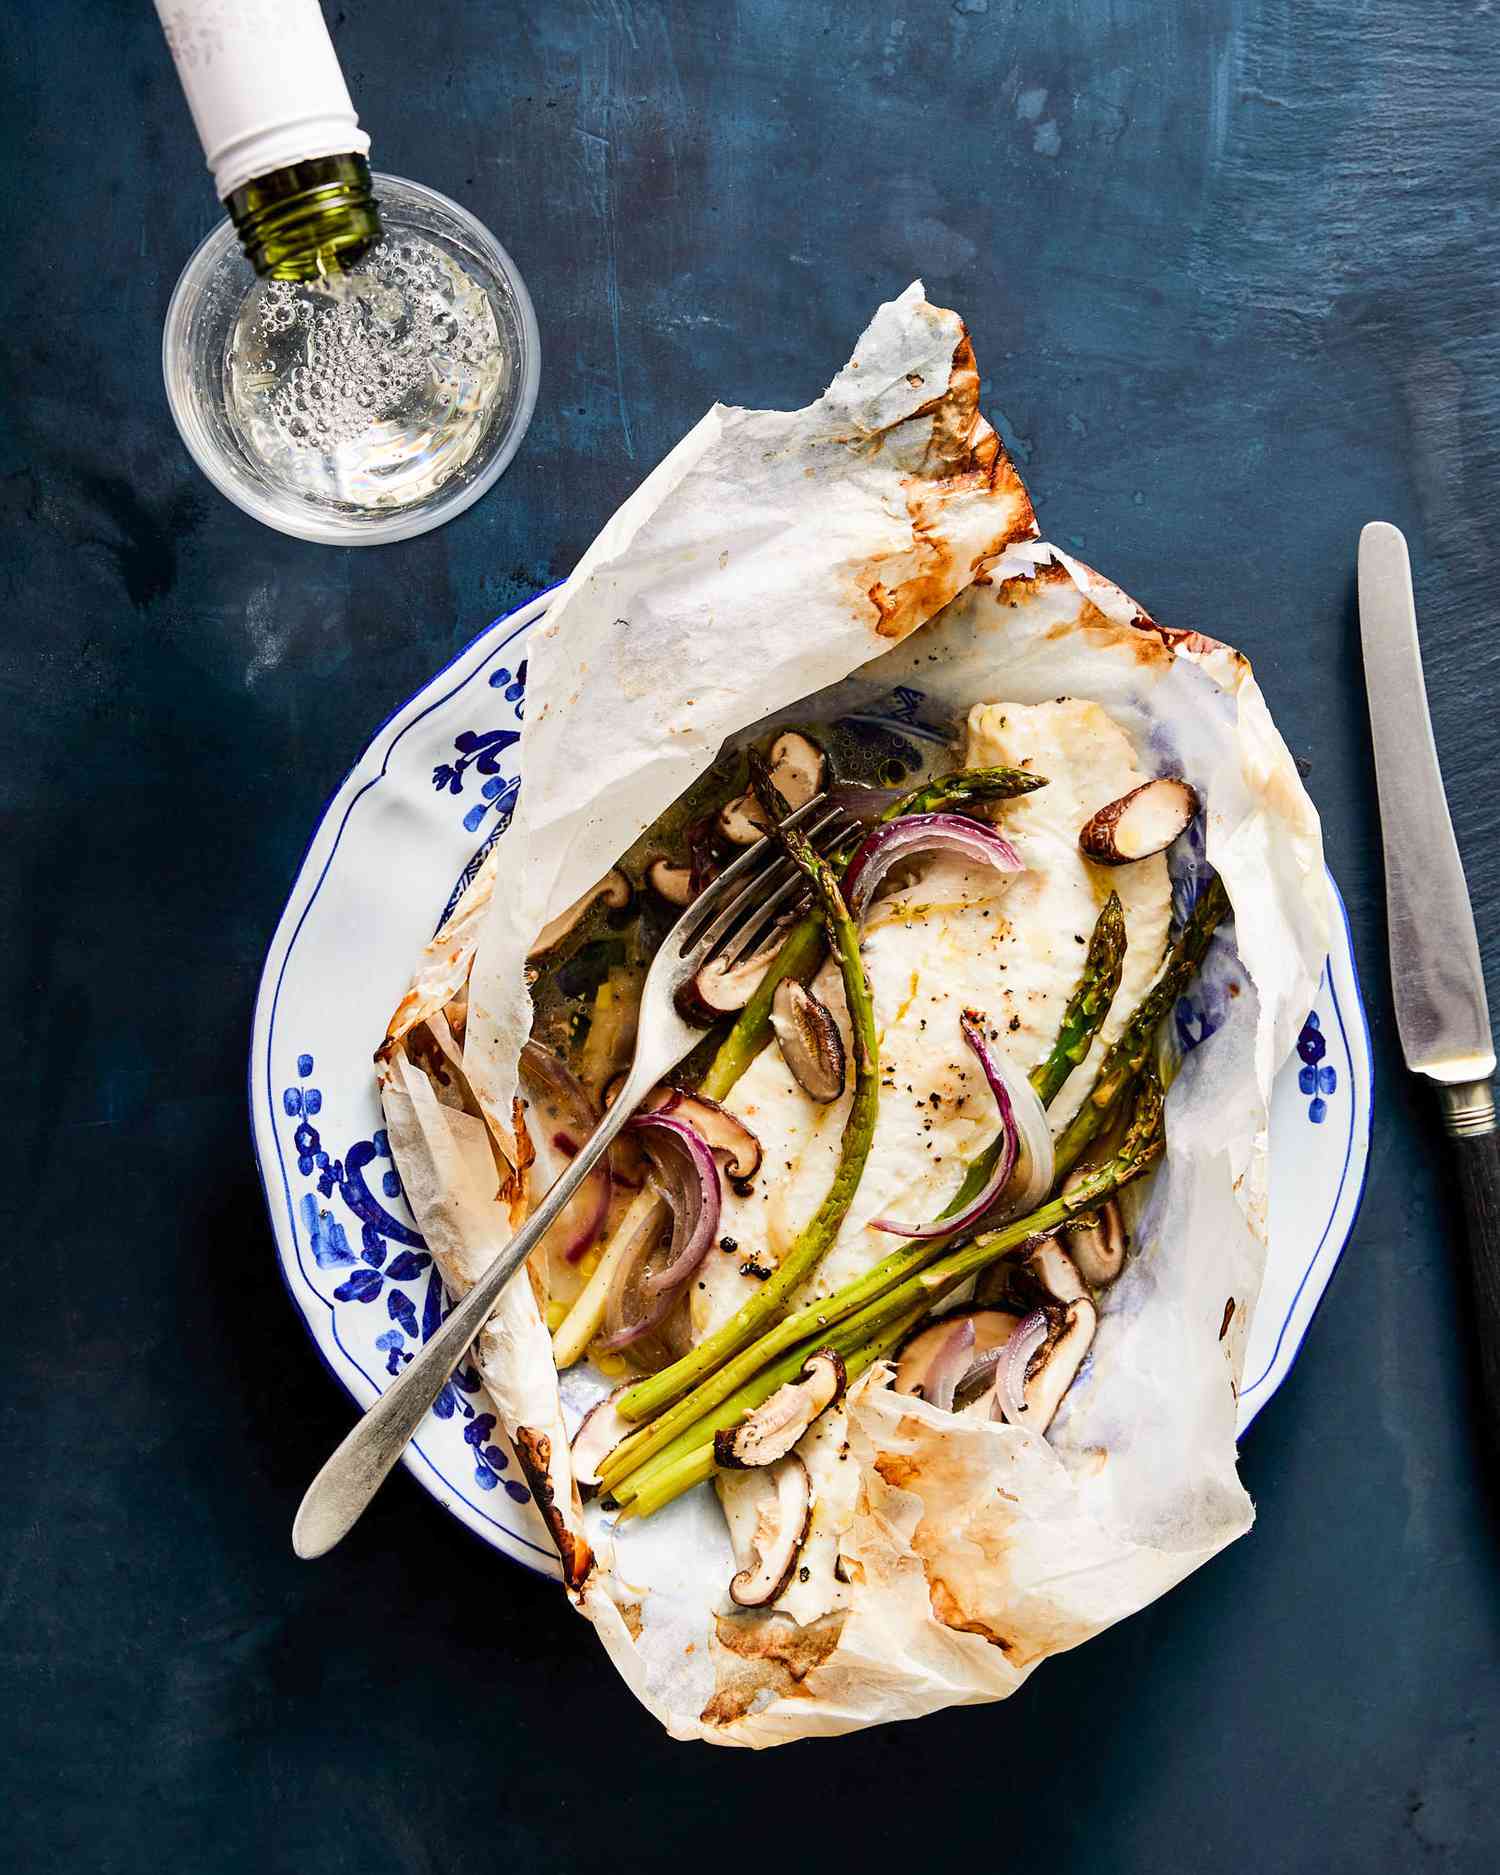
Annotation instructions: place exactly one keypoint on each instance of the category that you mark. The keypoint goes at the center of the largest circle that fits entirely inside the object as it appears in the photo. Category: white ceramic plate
(395, 844)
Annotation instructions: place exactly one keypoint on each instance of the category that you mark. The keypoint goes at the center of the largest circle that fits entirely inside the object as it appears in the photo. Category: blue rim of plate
(364, 1388)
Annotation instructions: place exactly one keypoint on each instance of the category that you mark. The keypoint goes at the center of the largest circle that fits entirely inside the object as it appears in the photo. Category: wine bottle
(279, 131)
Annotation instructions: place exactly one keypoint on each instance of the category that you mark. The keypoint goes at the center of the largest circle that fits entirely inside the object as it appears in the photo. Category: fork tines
(771, 890)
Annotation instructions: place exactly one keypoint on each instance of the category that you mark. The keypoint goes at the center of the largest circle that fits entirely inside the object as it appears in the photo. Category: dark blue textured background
(1231, 271)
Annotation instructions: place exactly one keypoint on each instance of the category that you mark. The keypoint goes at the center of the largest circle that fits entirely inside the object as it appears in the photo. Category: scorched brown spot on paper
(963, 463)
(1194, 642)
(940, 573)
(1021, 588)
(963, 1550)
(948, 1611)
(777, 1656)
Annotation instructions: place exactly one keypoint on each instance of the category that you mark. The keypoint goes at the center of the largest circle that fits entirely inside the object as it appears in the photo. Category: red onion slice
(899, 840)
(948, 1366)
(1020, 1107)
(689, 1174)
(575, 1111)
(622, 1327)
(1010, 1388)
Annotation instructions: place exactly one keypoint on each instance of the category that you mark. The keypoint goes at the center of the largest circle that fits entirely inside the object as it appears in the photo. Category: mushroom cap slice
(768, 1513)
(599, 1432)
(797, 768)
(741, 821)
(724, 1131)
(1145, 821)
(1071, 1321)
(723, 990)
(1097, 1241)
(776, 1425)
(669, 881)
(1056, 1271)
(1054, 1367)
(810, 1041)
(613, 888)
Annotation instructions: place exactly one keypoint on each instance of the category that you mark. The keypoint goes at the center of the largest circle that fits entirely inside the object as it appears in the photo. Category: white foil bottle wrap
(263, 83)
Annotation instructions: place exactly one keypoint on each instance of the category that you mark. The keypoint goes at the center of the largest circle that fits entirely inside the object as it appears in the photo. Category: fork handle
(337, 1497)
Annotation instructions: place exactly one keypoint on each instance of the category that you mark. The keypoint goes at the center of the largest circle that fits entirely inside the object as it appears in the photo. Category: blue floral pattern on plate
(407, 1283)
(482, 749)
(1316, 1078)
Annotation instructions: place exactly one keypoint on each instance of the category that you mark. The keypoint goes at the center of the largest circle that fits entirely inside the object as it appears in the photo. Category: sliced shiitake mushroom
(1071, 1322)
(778, 1423)
(1054, 1367)
(741, 821)
(810, 1041)
(599, 1432)
(613, 888)
(723, 989)
(724, 1131)
(768, 1513)
(797, 769)
(1051, 1266)
(672, 882)
(1145, 821)
(1097, 1241)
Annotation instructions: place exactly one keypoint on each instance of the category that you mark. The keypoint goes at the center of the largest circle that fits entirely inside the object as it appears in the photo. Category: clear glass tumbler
(195, 346)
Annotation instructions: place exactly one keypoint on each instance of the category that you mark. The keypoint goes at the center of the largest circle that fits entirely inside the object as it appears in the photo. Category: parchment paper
(769, 558)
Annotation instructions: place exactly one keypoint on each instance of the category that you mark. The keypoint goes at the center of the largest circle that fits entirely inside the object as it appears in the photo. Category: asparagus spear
(885, 1319)
(1125, 1058)
(1089, 1003)
(813, 1319)
(966, 787)
(817, 1235)
(1086, 1010)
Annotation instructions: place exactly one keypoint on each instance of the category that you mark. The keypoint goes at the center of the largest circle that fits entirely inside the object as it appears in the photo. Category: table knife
(1436, 976)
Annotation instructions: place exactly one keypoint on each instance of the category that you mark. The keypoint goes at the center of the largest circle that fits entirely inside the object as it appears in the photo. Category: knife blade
(1437, 980)
(1436, 976)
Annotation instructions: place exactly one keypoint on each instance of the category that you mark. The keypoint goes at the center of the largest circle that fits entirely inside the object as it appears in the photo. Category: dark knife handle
(1469, 1115)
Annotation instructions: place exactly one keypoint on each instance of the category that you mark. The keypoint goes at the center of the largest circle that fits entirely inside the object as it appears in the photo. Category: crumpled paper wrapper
(878, 539)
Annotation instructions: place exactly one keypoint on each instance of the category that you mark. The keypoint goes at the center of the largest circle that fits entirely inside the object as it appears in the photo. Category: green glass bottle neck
(308, 219)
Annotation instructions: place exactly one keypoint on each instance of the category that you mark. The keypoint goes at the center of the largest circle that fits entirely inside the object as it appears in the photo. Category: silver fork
(731, 914)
